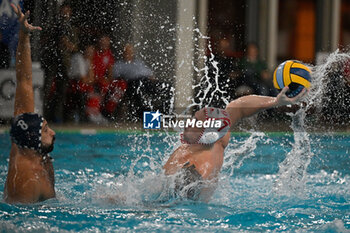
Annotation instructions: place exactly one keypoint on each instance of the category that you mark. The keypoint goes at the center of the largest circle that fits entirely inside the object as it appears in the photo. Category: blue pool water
(254, 194)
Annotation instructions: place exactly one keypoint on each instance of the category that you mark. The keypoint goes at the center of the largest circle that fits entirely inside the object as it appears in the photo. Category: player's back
(30, 177)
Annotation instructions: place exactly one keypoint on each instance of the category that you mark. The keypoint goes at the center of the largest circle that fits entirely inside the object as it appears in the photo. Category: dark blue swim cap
(26, 131)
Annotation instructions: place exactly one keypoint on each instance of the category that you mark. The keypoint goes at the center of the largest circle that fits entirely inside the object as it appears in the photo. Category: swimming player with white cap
(196, 164)
(30, 175)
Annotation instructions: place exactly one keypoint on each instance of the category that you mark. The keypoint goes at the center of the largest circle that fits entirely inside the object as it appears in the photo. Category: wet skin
(30, 175)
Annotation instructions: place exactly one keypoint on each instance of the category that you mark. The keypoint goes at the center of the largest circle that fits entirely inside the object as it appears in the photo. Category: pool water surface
(113, 182)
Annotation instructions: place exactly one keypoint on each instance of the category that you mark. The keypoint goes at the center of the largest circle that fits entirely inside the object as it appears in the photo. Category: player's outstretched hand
(283, 99)
(23, 20)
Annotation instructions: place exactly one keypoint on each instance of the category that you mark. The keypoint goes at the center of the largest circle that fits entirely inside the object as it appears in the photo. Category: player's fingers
(19, 10)
(38, 28)
(14, 8)
(32, 28)
(284, 90)
(26, 15)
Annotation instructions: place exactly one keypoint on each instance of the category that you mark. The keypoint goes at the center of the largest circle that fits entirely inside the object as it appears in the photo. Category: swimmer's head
(30, 130)
(209, 135)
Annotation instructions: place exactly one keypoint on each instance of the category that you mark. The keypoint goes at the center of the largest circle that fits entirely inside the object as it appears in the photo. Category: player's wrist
(279, 101)
(24, 33)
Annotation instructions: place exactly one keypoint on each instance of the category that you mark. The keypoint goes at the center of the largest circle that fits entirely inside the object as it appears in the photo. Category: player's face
(47, 138)
(192, 134)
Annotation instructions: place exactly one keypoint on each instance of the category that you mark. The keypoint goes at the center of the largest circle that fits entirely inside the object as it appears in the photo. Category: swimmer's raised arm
(24, 99)
(249, 105)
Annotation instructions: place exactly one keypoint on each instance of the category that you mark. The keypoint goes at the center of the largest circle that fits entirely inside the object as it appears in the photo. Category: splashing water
(237, 152)
(292, 173)
(333, 69)
(207, 86)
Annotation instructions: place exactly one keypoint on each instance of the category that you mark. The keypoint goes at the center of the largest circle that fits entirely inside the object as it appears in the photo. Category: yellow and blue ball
(293, 74)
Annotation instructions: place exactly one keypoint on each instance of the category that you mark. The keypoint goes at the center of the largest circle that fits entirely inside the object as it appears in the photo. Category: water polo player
(196, 164)
(30, 175)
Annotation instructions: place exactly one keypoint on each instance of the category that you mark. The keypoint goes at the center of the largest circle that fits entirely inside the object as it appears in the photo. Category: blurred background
(100, 62)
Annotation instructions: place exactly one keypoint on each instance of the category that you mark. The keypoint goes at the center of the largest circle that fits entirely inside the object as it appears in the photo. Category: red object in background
(116, 89)
(93, 104)
(102, 61)
(85, 88)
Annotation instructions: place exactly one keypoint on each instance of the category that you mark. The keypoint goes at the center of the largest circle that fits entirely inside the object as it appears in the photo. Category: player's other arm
(24, 98)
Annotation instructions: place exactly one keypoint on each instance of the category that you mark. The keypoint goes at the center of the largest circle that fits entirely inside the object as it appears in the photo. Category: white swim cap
(211, 135)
